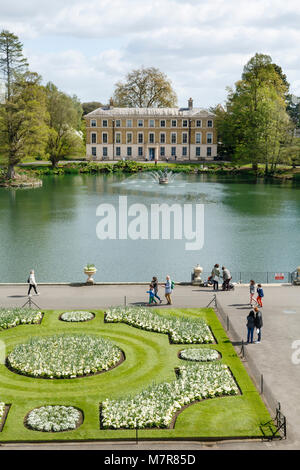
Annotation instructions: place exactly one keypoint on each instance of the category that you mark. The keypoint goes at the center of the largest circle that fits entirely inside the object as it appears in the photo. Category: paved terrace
(273, 356)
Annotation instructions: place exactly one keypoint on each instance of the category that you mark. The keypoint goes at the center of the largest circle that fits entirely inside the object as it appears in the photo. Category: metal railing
(257, 377)
(243, 277)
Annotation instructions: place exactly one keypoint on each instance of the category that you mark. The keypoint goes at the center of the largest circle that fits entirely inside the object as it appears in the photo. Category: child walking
(151, 293)
(260, 295)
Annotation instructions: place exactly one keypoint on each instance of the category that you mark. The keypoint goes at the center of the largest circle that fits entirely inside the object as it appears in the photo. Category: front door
(151, 153)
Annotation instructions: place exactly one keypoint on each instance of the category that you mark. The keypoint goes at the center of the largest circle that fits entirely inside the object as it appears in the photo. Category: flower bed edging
(179, 330)
(79, 320)
(156, 406)
(19, 316)
(60, 367)
(75, 425)
(3, 415)
(215, 355)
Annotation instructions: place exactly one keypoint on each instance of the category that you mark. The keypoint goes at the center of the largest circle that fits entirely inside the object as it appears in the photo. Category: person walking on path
(252, 292)
(260, 295)
(151, 295)
(215, 276)
(168, 290)
(154, 284)
(258, 324)
(32, 283)
(226, 278)
(250, 326)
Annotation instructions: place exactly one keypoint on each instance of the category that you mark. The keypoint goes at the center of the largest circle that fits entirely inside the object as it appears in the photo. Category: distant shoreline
(283, 173)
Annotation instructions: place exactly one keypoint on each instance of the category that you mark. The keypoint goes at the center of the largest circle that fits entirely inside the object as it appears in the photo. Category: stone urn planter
(197, 275)
(297, 278)
(90, 270)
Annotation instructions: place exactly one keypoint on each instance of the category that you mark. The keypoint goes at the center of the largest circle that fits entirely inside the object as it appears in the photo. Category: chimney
(111, 103)
(190, 102)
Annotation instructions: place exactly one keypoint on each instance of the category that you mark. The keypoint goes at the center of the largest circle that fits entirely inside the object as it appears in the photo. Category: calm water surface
(248, 227)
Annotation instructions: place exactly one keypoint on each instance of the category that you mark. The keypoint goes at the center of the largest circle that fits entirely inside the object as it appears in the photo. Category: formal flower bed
(200, 355)
(10, 317)
(156, 405)
(2, 411)
(181, 330)
(64, 356)
(53, 418)
(77, 316)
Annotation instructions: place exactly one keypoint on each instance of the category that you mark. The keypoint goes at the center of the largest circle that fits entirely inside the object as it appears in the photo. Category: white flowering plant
(199, 354)
(53, 418)
(64, 356)
(156, 405)
(180, 330)
(2, 410)
(11, 317)
(77, 316)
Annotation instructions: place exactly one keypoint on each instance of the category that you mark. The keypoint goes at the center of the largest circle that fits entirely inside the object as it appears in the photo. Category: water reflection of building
(151, 133)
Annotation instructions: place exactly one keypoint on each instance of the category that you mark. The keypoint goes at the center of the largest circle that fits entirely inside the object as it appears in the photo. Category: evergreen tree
(12, 61)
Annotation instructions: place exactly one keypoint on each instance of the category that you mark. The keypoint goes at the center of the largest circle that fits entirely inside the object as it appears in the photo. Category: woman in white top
(32, 283)
(215, 276)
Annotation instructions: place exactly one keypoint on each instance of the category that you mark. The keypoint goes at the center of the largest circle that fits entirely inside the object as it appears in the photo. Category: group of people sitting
(216, 275)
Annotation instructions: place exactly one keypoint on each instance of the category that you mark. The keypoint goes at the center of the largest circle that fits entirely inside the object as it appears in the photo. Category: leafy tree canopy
(145, 88)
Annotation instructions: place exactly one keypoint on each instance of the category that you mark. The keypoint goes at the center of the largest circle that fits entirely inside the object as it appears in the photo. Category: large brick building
(149, 133)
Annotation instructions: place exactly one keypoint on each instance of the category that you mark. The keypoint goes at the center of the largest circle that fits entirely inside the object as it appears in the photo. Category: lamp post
(113, 137)
(190, 124)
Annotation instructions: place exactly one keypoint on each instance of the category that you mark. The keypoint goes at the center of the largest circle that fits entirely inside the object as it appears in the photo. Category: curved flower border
(158, 405)
(33, 415)
(180, 330)
(12, 317)
(77, 316)
(40, 374)
(4, 409)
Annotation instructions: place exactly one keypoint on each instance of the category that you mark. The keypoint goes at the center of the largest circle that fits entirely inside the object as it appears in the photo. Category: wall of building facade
(143, 137)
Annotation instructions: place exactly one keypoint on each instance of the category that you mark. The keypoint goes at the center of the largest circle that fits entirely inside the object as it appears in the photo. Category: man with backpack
(169, 286)
(32, 283)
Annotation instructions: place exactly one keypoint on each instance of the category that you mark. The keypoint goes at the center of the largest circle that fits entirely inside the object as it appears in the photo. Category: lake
(248, 227)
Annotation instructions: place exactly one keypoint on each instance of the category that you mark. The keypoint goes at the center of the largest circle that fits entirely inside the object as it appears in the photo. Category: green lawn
(149, 358)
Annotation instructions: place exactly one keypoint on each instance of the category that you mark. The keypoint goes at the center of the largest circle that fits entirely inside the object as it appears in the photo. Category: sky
(86, 46)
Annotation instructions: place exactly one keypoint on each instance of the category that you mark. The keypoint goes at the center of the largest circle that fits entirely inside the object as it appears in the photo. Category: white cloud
(202, 45)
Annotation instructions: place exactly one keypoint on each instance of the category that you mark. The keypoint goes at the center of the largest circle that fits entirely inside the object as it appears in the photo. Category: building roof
(110, 111)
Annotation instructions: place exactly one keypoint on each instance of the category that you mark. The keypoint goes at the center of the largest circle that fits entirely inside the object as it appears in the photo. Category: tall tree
(255, 125)
(145, 88)
(12, 61)
(293, 109)
(23, 128)
(65, 124)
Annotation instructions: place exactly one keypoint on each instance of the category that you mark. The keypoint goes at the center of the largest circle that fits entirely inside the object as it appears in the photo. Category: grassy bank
(23, 179)
(149, 358)
(218, 169)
